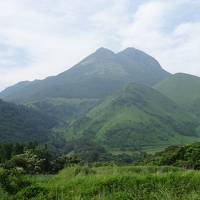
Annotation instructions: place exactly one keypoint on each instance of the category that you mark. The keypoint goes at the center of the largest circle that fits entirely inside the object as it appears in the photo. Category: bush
(12, 181)
(31, 192)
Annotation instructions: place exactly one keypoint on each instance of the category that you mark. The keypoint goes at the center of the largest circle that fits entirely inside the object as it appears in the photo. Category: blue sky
(39, 38)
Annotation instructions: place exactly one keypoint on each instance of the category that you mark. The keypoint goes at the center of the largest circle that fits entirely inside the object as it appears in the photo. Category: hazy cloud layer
(41, 38)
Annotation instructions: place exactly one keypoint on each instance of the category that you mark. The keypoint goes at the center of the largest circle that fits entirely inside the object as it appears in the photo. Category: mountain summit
(98, 75)
(104, 51)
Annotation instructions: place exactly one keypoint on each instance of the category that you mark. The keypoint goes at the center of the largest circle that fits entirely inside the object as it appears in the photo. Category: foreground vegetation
(34, 172)
(105, 182)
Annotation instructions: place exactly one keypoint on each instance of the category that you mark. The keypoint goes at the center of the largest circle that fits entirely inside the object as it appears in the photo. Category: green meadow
(110, 182)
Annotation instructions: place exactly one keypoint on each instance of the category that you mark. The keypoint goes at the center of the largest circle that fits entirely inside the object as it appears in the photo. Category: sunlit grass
(125, 182)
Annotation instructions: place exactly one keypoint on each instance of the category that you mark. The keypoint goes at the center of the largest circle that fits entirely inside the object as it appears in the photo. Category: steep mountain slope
(21, 124)
(100, 74)
(136, 117)
(63, 110)
(184, 89)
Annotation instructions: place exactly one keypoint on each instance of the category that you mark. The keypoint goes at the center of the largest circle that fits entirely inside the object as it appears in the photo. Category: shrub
(12, 181)
(31, 192)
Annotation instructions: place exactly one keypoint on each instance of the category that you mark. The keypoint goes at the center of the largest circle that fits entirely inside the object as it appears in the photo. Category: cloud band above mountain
(41, 38)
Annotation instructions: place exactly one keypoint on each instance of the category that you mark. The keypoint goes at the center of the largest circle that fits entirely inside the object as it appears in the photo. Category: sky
(40, 38)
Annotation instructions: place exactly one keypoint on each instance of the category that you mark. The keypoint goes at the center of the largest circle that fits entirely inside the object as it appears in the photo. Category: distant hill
(136, 117)
(100, 74)
(184, 89)
(21, 124)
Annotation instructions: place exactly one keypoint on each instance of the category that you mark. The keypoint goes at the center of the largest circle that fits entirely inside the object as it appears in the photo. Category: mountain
(136, 117)
(100, 74)
(21, 124)
(184, 89)
(63, 110)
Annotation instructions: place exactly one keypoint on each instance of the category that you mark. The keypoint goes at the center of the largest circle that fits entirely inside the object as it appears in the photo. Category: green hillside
(184, 89)
(21, 124)
(63, 110)
(135, 118)
(100, 74)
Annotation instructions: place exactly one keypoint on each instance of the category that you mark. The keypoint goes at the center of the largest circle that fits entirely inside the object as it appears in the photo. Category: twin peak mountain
(98, 75)
(119, 100)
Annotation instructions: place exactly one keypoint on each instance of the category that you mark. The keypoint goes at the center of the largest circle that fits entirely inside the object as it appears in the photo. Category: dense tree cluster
(19, 123)
(31, 158)
(187, 156)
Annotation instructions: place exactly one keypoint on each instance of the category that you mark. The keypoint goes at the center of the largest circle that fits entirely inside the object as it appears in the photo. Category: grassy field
(113, 182)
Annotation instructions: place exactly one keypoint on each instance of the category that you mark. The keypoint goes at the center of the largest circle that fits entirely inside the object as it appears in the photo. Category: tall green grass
(119, 183)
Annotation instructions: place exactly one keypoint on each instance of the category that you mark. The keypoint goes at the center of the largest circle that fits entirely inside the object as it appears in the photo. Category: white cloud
(176, 44)
(51, 37)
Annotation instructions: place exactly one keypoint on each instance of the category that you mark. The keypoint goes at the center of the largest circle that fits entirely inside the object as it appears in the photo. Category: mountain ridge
(182, 88)
(96, 76)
